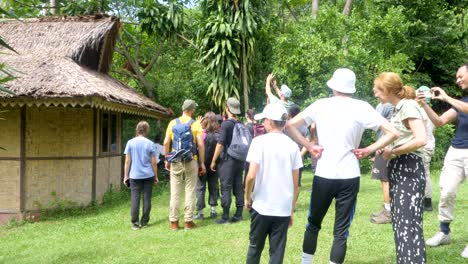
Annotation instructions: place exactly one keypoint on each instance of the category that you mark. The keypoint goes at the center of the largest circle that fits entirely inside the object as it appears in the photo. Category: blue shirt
(140, 150)
(460, 140)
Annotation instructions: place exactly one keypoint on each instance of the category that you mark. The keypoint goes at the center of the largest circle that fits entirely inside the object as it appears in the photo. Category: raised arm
(438, 121)
(440, 94)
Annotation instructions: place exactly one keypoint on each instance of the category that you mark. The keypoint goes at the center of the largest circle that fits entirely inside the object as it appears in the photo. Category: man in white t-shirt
(275, 161)
(341, 121)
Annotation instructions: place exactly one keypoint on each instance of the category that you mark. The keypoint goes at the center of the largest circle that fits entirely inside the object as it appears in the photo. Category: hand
(421, 99)
(315, 150)
(269, 78)
(248, 203)
(387, 154)
(291, 220)
(156, 180)
(212, 166)
(167, 165)
(439, 94)
(202, 169)
(379, 151)
(273, 82)
(125, 179)
(361, 153)
(199, 118)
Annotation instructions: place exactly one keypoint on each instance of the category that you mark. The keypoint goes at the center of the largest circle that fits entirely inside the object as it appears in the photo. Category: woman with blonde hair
(405, 168)
(210, 135)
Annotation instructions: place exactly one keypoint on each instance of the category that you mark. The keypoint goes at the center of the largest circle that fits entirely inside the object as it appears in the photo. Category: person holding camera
(455, 170)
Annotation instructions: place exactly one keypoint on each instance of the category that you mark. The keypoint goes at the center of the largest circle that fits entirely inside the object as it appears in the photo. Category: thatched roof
(65, 61)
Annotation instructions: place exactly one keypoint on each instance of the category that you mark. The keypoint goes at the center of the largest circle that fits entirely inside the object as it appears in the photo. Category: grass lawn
(102, 234)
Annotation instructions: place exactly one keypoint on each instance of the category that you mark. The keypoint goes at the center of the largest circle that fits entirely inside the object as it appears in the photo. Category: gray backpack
(240, 143)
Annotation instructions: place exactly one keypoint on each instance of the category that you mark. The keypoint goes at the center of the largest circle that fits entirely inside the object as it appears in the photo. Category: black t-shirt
(460, 140)
(225, 134)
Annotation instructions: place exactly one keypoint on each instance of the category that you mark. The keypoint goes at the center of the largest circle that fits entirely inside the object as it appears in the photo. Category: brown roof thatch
(64, 61)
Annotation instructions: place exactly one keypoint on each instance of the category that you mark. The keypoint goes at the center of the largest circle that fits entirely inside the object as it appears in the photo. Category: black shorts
(380, 169)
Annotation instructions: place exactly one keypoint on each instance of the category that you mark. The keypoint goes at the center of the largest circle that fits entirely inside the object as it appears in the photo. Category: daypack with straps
(240, 142)
(211, 140)
(183, 140)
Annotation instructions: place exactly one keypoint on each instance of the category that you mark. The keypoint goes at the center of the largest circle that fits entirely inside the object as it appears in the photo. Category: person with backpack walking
(184, 138)
(232, 147)
(140, 172)
(210, 127)
(340, 123)
(274, 168)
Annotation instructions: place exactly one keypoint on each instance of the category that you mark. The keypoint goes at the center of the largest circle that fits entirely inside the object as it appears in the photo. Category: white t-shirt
(159, 151)
(277, 155)
(340, 123)
(430, 145)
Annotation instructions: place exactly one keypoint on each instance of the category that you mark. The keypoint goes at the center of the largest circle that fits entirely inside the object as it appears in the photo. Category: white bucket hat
(343, 80)
(272, 111)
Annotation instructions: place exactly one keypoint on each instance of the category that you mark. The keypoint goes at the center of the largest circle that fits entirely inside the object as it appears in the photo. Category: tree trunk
(245, 82)
(348, 7)
(53, 7)
(315, 7)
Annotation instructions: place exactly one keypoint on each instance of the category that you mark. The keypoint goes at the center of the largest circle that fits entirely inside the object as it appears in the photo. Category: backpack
(240, 142)
(258, 130)
(183, 139)
(211, 140)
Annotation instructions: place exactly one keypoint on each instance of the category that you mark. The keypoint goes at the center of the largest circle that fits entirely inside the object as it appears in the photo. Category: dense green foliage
(102, 234)
(201, 46)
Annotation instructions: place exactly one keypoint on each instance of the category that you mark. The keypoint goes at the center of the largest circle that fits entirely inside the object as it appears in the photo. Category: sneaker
(174, 225)
(465, 252)
(222, 221)
(144, 225)
(236, 219)
(189, 225)
(438, 239)
(198, 216)
(213, 214)
(135, 227)
(384, 218)
(378, 213)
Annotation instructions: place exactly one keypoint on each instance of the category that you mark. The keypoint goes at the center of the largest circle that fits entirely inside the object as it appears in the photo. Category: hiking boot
(236, 219)
(378, 213)
(199, 216)
(174, 225)
(384, 218)
(464, 254)
(438, 239)
(135, 227)
(222, 221)
(427, 205)
(189, 225)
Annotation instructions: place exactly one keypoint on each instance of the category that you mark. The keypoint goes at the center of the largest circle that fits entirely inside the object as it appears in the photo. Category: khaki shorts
(380, 169)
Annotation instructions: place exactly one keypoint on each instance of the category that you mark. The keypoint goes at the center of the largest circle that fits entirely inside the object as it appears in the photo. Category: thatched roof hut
(64, 61)
(62, 134)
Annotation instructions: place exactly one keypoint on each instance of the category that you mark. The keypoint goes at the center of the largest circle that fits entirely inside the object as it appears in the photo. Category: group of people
(331, 130)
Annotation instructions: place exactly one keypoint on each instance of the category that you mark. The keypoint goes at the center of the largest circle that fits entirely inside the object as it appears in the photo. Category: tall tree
(315, 7)
(347, 8)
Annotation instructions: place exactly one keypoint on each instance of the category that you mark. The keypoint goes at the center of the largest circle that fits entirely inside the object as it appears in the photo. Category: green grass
(102, 234)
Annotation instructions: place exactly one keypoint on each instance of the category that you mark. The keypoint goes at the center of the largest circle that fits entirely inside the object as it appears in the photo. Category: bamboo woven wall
(10, 132)
(10, 186)
(71, 180)
(107, 174)
(59, 132)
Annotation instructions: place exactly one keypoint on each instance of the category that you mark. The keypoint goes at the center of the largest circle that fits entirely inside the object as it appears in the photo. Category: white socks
(386, 206)
(307, 258)
(213, 209)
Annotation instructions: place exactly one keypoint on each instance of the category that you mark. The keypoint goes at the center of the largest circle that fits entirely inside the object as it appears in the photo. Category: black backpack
(211, 140)
(240, 142)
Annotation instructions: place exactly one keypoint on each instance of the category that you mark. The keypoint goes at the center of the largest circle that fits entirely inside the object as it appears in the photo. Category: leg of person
(226, 179)
(323, 191)
(147, 192)
(427, 156)
(408, 183)
(136, 187)
(380, 172)
(345, 205)
(177, 172)
(277, 237)
(238, 190)
(452, 175)
(213, 189)
(259, 226)
(201, 190)
(191, 178)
